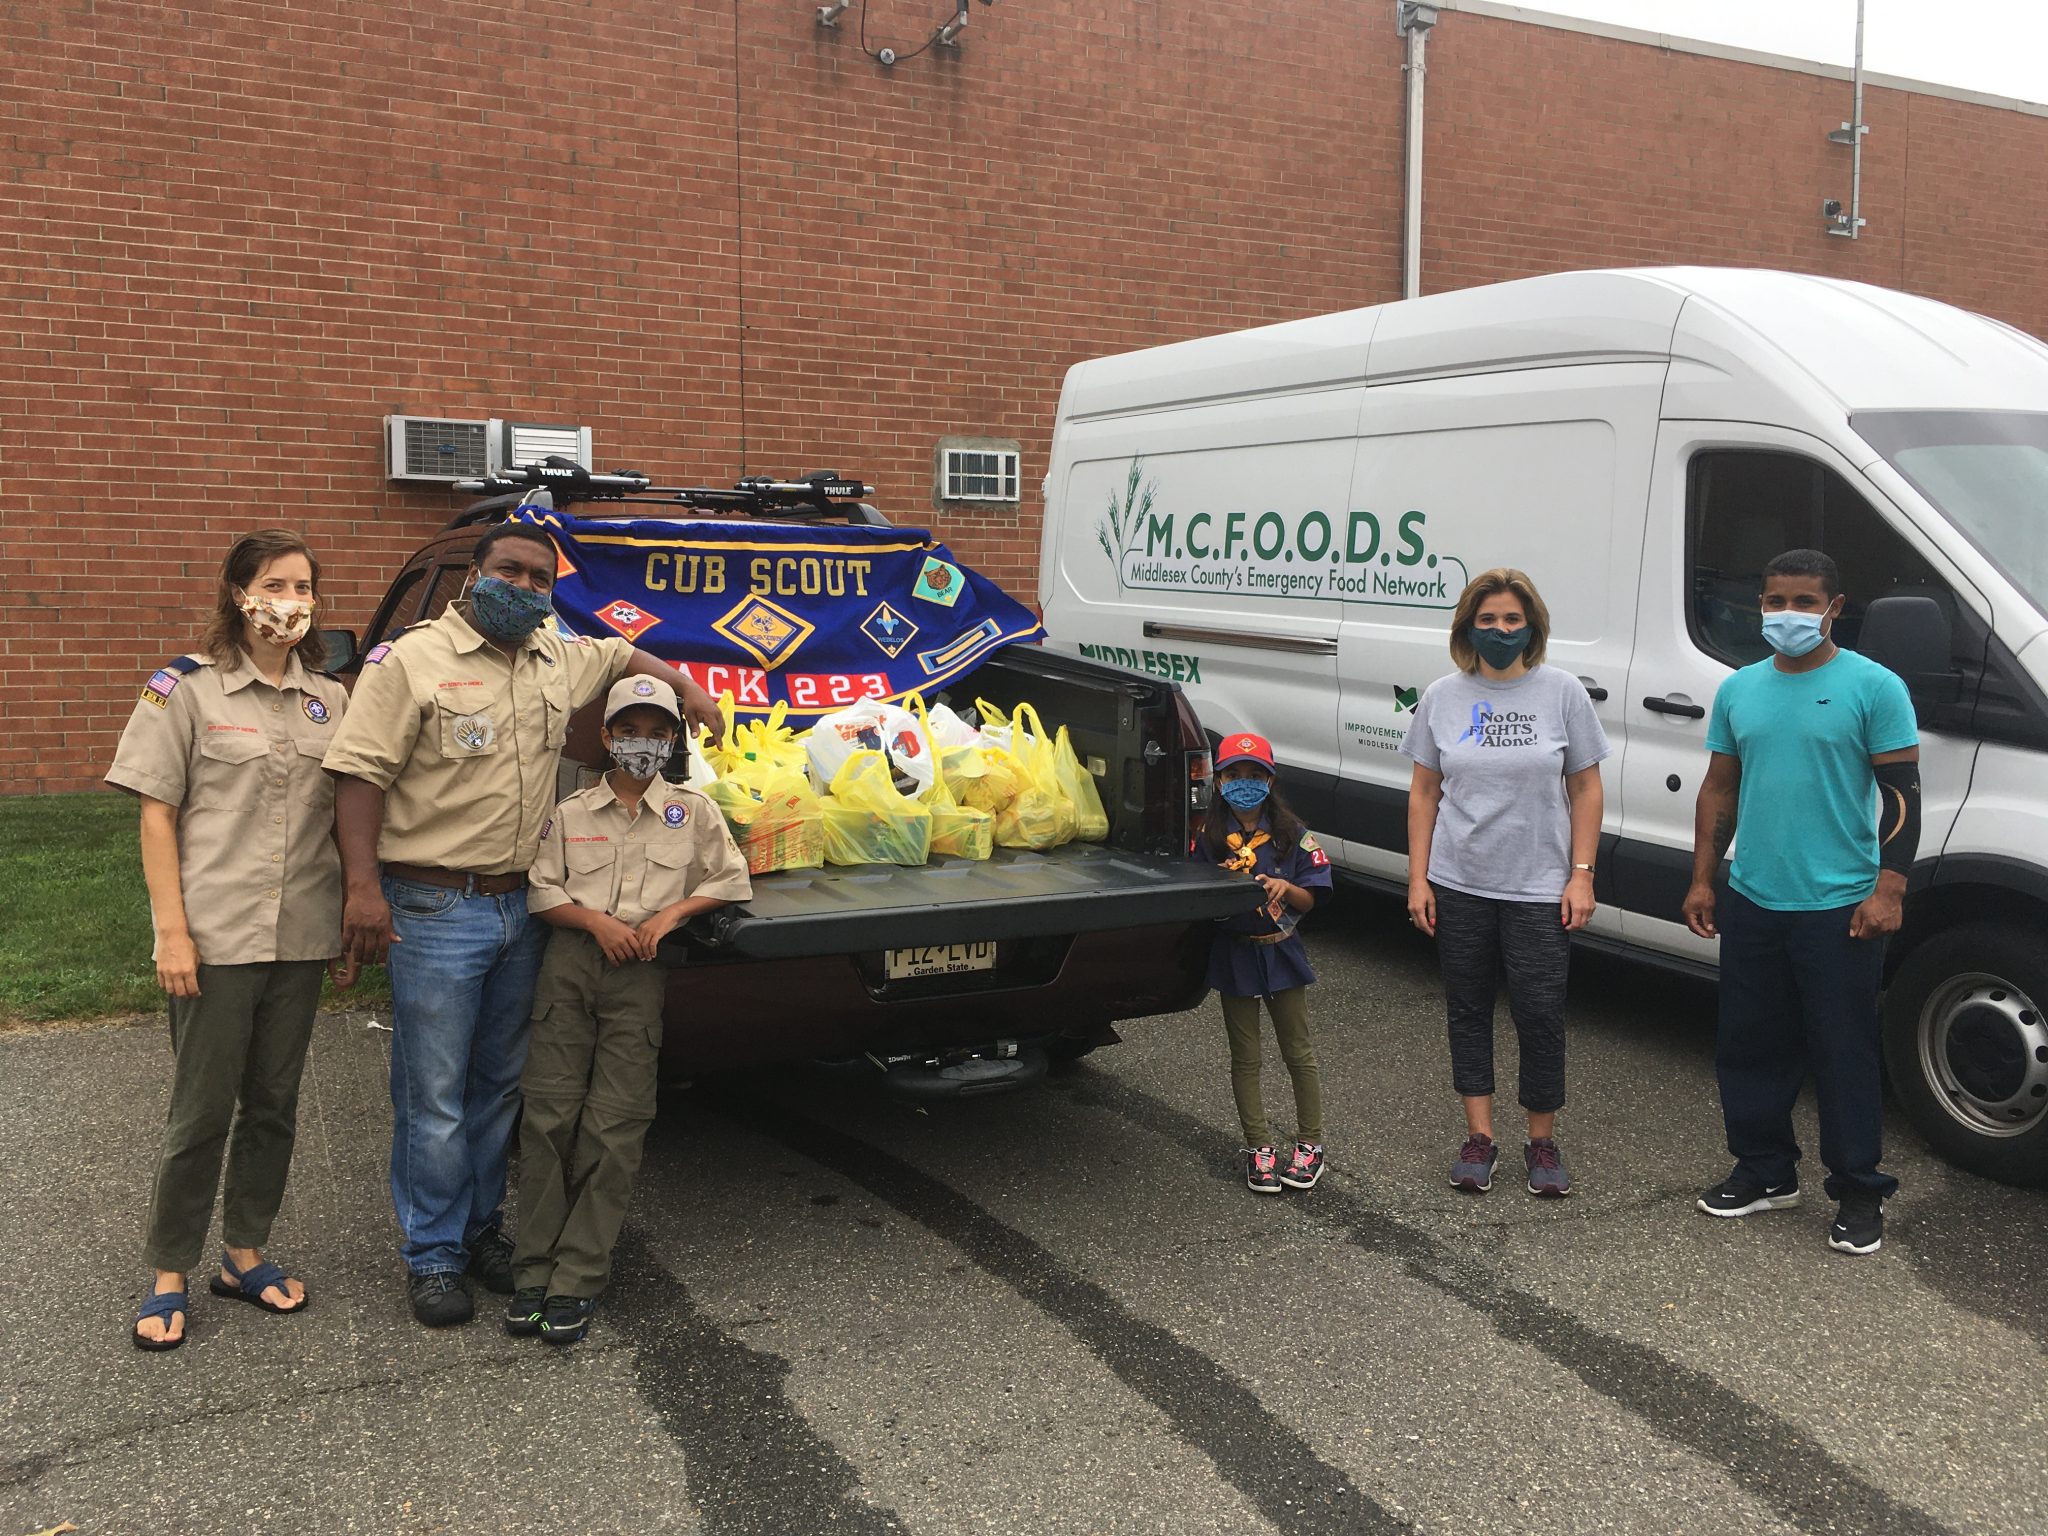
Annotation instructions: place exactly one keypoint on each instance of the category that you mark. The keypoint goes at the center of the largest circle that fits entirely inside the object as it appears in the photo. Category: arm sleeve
(1309, 867)
(1585, 739)
(383, 723)
(594, 665)
(1420, 742)
(719, 871)
(1888, 724)
(1721, 729)
(547, 879)
(154, 756)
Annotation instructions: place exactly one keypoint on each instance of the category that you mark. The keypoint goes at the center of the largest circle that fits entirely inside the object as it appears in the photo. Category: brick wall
(236, 234)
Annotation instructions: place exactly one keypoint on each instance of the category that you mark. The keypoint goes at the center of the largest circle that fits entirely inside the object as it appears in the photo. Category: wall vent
(525, 442)
(435, 448)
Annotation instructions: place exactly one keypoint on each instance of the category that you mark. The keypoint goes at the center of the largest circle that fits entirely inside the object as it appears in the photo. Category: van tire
(1966, 1043)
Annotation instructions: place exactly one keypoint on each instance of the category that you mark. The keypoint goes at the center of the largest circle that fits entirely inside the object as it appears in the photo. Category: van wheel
(1966, 1040)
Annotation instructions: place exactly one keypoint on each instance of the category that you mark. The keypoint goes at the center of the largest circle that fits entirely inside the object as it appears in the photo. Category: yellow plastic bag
(963, 831)
(774, 815)
(1032, 749)
(766, 743)
(1079, 784)
(868, 822)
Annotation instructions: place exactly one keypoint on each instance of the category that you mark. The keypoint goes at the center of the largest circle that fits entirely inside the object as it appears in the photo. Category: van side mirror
(339, 647)
(1911, 636)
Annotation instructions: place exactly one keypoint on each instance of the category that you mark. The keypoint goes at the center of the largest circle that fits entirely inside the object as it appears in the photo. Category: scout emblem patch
(676, 815)
(764, 630)
(1314, 850)
(629, 619)
(889, 630)
(546, 827)
(474, 731)
(316, 711)
(643, 689)
(938, 583)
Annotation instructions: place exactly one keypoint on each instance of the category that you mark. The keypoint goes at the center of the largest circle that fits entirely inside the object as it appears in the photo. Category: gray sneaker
(1474, 1168)
(1547, 1177)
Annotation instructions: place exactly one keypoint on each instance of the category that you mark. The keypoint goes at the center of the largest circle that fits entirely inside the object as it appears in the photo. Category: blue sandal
(250, 1284)
(164, 1305)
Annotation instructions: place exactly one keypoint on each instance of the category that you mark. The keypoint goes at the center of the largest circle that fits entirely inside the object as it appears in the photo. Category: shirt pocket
(555, 705)
(666, 879)
(468, 728)
(230, 770)
(590, 868)
(311, 784)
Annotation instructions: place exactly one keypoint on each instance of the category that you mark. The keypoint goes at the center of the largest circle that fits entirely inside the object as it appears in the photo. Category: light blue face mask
(1244, 794)
(1792, 634)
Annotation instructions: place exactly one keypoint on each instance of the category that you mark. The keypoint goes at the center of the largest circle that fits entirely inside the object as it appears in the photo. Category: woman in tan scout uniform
(223, 750)
(621, 864)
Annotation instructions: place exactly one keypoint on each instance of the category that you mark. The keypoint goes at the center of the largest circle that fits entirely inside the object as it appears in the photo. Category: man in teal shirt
(1815, 755)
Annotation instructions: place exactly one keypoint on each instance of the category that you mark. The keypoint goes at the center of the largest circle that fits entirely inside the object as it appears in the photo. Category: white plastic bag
(698, 774)
(876, 727)
(949, 730)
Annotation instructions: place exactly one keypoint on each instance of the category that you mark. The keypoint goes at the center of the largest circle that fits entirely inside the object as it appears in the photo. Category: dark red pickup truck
(959, 976)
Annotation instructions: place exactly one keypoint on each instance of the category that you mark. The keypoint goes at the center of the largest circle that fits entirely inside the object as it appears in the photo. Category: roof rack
(562, 482)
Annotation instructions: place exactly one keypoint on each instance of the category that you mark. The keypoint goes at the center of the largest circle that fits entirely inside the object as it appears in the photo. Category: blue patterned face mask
(1245, 794)
(505, 613)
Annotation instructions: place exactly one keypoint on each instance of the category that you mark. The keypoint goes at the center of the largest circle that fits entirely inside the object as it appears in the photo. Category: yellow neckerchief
(1244, 853)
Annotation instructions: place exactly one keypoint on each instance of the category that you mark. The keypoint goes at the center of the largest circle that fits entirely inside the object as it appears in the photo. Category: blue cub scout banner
(815, 617)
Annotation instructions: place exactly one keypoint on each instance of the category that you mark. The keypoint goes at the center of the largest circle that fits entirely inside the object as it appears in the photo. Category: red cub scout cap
(1244, 748)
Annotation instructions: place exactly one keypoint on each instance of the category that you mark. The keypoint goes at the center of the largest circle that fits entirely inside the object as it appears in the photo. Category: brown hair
(1502, 578)
(225, 638)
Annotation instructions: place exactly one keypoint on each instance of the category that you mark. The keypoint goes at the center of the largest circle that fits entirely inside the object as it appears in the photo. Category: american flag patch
(377, 653)
(157, 690)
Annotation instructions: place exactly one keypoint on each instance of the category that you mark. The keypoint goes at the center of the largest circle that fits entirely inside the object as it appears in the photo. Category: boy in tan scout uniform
(620, 865)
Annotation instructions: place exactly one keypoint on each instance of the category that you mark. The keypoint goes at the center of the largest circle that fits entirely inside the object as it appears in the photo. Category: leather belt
(1262, 938)
(457, 879)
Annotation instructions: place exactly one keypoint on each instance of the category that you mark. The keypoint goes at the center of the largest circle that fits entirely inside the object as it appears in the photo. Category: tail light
(1195, 755)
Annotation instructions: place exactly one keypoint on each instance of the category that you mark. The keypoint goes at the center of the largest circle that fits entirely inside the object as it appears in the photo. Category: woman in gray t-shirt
(1503, 822)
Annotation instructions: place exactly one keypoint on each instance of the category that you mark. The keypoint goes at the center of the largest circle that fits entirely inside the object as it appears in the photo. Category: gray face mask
(641, 756)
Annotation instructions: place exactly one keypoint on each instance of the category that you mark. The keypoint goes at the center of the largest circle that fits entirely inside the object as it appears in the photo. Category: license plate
(941, 960)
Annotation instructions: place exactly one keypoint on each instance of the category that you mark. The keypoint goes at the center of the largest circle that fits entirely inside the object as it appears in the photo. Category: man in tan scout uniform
(448, 761)
(621, 865)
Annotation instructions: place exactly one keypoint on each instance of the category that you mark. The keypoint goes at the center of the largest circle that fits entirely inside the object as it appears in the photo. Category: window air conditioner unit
(437, 449)
(525, 442)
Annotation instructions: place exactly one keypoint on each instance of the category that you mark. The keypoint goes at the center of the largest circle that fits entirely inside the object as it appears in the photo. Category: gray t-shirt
(1504, 828)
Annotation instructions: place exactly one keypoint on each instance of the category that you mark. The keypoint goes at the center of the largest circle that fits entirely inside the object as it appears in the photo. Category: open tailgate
(1083, 887)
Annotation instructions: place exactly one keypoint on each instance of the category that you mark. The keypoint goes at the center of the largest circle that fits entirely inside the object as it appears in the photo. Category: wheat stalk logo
(1119, 528)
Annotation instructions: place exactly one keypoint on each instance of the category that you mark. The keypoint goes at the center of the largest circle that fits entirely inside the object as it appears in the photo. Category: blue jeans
(1799, 995)
(462, 978)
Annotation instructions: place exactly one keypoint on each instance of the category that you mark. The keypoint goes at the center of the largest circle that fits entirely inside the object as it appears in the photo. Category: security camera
(1832, 208)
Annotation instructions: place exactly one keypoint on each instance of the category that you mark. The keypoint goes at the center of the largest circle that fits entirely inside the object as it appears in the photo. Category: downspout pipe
(1851, 134)
(1413, 20)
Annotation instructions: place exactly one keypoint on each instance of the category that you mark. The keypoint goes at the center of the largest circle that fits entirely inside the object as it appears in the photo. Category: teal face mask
(505, 613)
(1499, 648)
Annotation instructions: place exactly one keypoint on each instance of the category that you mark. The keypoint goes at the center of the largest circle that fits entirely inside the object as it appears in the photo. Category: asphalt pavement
(1058, 1311)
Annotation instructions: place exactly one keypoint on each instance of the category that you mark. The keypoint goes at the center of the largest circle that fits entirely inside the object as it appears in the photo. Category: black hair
(503, 531)
(1806, 562)
(1219, 821)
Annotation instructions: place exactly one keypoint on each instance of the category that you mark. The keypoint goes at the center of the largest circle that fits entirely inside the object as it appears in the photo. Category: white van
(1282, 519)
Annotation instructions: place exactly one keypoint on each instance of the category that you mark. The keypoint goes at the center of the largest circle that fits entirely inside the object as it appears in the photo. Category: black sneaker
(1261, 1171)
(1305, 1166)
(1859, 1226)
(1740, 1195)
(1474, 1168)
(567, 1318)
(490, 1260)
(440, 1300)
(523, 1311)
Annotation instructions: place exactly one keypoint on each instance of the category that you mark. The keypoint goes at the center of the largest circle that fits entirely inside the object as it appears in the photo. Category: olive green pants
(589, 1089)
(1290, 1027)
(238, 1049)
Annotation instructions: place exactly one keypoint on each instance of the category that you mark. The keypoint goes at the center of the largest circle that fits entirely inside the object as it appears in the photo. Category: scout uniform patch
(938, 583)
(316, 710)
(675, 815)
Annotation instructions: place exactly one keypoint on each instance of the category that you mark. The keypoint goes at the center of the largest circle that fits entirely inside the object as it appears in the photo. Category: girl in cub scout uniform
(620, 865)
(1258, 955)
(223, 749)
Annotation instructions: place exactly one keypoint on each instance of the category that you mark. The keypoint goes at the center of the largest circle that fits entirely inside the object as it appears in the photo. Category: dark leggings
(1477, 939)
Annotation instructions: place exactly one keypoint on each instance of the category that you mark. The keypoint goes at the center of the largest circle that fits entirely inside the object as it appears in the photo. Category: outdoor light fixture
(948, 35)
(828, 15)
(945, 35)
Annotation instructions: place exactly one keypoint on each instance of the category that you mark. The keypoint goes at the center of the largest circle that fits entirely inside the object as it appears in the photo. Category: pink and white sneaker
(1261, 1171)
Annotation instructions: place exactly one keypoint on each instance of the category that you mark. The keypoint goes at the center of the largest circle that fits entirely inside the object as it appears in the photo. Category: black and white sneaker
(524, 1311)
(1740, 1195)
(1858, 1226)
(566, 1319)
